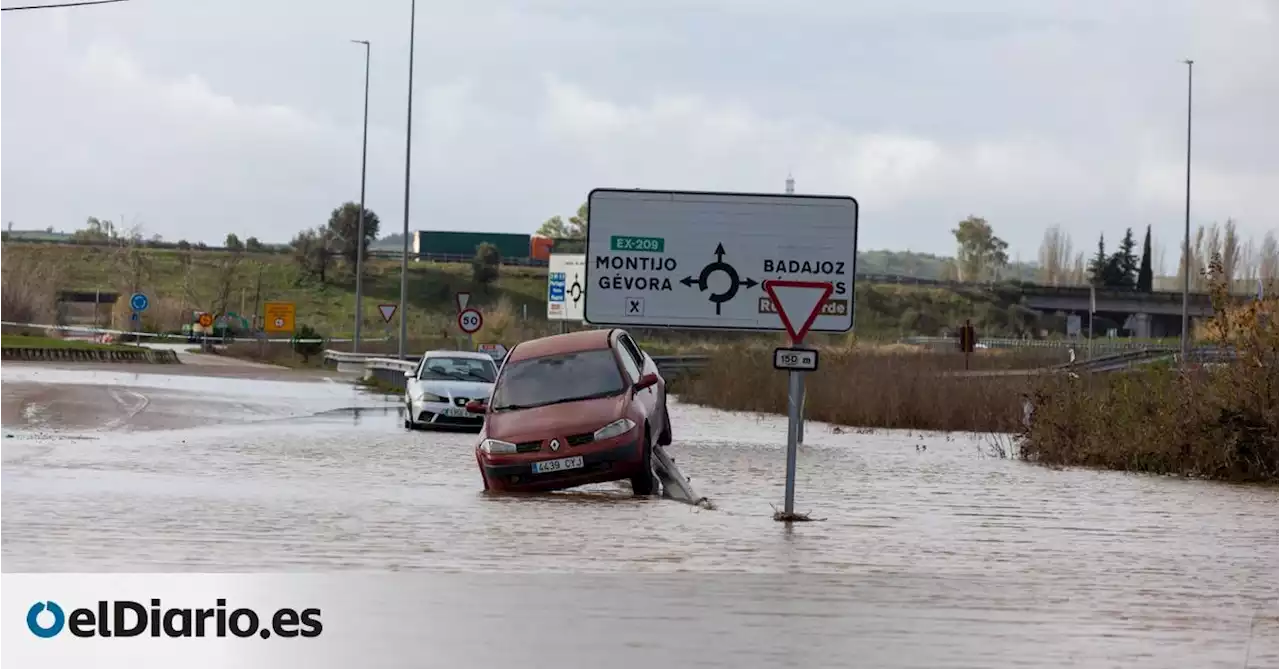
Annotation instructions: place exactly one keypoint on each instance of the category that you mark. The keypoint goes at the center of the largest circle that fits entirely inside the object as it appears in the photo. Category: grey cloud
(1077, 107)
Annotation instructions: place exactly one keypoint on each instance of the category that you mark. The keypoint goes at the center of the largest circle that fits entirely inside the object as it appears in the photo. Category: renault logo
(555, 444)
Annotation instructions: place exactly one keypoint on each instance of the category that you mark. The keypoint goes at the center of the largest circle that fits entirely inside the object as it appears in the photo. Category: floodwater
(930, 550)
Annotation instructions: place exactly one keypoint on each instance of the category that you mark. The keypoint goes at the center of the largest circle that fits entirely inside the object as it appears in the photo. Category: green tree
(253, 245)
(1145, 276)
(95, 231)
(485, 264)
(1124, 270)
(556, 227)
(344, 231)
(981, 253)
(312, 251)
(233, 242)
(1098, 265)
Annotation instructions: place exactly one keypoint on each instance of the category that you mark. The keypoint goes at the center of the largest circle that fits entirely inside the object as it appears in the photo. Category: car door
(632, 360)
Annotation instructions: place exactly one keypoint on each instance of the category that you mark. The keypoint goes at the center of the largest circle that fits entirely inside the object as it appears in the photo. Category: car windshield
(554, 379)
(458, 369)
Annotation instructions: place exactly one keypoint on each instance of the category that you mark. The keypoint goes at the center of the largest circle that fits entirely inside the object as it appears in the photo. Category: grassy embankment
(1218, 421)
(28, 341)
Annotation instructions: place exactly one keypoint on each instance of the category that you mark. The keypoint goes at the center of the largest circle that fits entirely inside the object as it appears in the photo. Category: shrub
(28, 288)
(484, 266)
(1214, 421)
(306, 349)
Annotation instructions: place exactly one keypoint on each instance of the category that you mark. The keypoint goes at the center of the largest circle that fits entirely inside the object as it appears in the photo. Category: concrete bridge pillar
(1139, 325)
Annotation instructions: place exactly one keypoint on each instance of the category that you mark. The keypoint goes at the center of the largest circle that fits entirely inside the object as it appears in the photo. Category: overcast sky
(195, 118)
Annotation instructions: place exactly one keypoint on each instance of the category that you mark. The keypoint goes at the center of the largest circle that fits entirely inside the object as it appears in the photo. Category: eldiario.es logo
(125, 618)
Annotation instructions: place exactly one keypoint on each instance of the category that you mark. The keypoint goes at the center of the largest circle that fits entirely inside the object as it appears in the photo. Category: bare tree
(1055, 256)
(1269, 259)
(1247, 263)
(1230, 252)
(1076, 277)
(225, 268)
(1194, 264)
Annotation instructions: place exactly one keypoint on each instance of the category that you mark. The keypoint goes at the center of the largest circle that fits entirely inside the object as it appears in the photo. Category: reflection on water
(1100, 568)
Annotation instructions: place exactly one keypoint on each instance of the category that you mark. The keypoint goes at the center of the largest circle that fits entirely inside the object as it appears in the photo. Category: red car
(572, 409)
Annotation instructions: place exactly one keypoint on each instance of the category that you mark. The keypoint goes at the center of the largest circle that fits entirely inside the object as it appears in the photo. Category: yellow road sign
(278, 316)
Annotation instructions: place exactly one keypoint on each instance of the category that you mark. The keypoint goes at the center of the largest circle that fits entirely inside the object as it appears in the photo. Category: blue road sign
(139, 302)
(555, 287)
(133, 316)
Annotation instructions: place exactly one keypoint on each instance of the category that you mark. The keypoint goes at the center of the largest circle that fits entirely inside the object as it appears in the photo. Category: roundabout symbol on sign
(139, 302)
(575, 290)
(470, 320)
(719, 266)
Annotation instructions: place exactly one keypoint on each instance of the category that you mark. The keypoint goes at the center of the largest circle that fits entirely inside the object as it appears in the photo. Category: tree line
(1244, 262)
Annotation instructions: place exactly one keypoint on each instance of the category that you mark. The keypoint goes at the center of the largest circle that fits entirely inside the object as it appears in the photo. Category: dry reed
(864, 388)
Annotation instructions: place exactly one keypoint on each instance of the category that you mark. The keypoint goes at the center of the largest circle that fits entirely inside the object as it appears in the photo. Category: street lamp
(1186, 234)
(408, 134)
(364, 155)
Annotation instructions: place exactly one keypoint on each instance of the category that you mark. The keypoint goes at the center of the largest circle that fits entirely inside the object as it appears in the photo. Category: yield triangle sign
(798, 303)
(387, 311)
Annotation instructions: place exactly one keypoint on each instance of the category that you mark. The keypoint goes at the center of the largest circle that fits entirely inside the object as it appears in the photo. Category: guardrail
(389, 369)
(1015, 342)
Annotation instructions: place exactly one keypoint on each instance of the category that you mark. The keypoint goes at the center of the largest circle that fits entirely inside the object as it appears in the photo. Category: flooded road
(943, 557)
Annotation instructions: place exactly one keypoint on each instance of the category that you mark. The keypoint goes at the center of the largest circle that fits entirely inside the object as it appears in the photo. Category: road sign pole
(795, 384)
(800, 424)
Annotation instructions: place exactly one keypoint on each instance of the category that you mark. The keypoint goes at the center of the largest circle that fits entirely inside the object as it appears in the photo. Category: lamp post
(364, 156)
(1186, 234)
(408, 152)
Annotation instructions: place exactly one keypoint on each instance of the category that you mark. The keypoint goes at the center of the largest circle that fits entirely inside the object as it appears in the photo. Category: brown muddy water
(932, 551)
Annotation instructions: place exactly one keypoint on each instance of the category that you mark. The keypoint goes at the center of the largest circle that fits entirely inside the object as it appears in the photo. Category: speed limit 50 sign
(470, 321)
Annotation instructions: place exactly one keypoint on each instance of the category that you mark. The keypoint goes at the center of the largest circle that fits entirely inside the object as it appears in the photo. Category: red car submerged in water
(572, 409)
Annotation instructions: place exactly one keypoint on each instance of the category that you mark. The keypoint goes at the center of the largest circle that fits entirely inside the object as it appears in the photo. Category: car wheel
(644, 483)
(664, 439)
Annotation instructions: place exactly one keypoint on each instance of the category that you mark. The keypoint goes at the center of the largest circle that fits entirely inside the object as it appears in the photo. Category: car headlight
(422, 396)
(614, 429)
(496, 447)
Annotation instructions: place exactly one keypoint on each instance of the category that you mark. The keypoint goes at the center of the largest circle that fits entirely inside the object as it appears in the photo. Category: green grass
(174, 285)
(24, 341)
(178, 281)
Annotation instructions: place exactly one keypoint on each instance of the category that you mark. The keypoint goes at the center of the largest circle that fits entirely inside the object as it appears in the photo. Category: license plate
(458, 413)
(548, 466)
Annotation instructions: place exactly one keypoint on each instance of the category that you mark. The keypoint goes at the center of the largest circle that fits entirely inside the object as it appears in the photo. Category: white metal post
(794, 417)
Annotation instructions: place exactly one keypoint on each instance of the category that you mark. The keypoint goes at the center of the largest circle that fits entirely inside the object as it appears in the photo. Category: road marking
(129, 410)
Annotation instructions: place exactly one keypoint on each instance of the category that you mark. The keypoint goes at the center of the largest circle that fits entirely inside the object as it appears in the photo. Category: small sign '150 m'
(795, 359)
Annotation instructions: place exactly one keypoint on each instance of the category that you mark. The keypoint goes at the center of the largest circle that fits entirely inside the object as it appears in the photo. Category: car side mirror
(408, 375)
(477, 406)
(646, 381)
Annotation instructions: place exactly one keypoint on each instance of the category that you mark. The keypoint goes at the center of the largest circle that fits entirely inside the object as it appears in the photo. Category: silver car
(436, 392)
